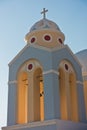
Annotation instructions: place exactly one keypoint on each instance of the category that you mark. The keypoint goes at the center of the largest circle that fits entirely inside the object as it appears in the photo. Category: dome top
(45, 33)
(44, 24)
(82, 57)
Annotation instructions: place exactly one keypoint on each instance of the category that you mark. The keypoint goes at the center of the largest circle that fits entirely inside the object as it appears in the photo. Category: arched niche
(68, 91)
(30, 92)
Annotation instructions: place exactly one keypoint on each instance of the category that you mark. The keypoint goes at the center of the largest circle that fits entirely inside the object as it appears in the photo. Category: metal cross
(44, 13)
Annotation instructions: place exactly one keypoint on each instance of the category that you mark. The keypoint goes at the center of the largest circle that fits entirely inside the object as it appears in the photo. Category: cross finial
(44, 13)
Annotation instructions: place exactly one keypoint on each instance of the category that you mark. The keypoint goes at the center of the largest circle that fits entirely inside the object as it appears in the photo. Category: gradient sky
(16, 18)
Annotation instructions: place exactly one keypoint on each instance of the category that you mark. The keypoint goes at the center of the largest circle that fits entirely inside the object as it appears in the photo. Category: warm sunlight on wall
(39, 95)
(41, 100)
(22, 98)
(30, 96)
(68, 93)
(85, 96)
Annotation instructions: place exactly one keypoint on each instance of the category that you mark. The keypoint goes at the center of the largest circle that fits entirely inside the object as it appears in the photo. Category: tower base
(55, 124)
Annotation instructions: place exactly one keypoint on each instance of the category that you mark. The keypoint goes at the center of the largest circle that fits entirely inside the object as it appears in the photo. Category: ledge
(30, 125)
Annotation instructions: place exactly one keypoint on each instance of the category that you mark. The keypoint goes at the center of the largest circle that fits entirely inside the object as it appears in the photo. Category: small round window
(30, 67)
(60, 40)
(47, 37)
(33, 40)
(66, 67)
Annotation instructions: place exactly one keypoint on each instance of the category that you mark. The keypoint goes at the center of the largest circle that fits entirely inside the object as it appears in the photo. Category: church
(47, 87)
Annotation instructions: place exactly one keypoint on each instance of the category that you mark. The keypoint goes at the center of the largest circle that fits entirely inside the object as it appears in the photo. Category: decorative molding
(30, 125)
(58, 48)
(79, 82)
(12, 82)
(47, 49)
(51, 71)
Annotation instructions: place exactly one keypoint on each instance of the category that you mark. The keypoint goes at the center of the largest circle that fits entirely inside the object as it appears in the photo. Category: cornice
(50, 71)
(30, 125)
(79, 82)
(12, 82)
(44, 73)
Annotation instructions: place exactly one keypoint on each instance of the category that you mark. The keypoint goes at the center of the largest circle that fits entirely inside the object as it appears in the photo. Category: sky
(17, 17)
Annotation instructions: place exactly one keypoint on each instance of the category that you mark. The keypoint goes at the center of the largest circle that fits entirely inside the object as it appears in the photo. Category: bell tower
(45, 82)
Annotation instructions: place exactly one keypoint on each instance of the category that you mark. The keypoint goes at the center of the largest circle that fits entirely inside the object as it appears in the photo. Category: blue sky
(16, 18)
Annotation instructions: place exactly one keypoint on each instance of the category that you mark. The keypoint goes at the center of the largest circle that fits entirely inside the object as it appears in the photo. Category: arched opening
(68, 92)
(22, 98)
(38, 95)
(30, 99)
(63, 96)
(73, 97)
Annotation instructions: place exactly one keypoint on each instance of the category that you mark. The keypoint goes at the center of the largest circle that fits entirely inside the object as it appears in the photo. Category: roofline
(46, 49)
(74, 55)
(35, 46)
